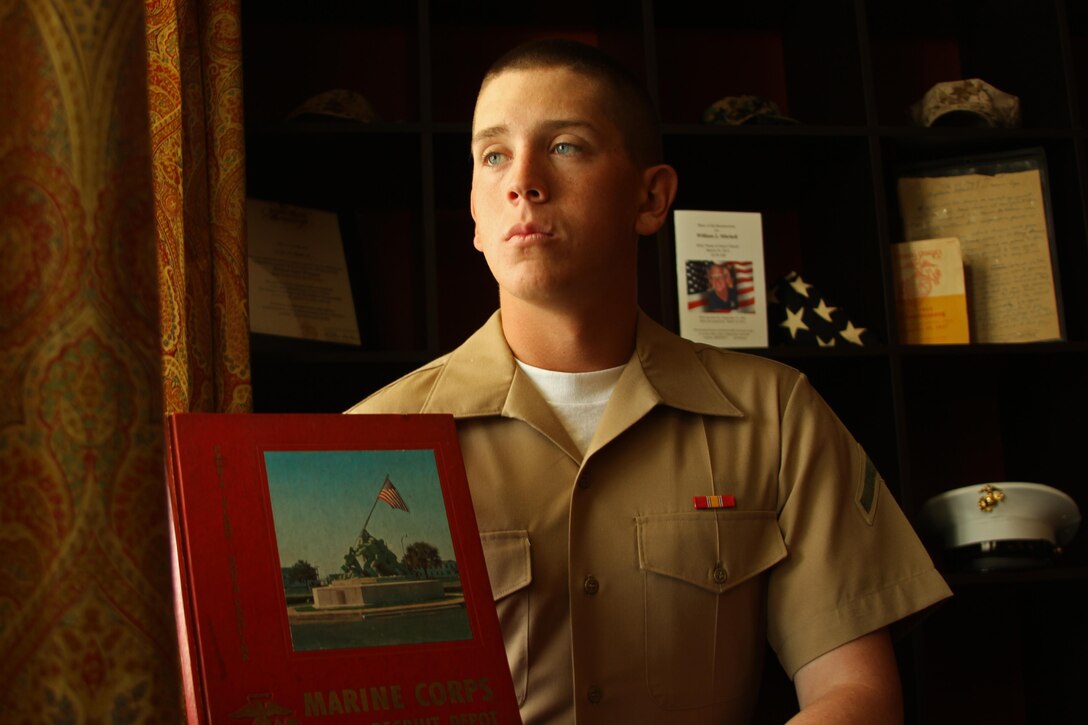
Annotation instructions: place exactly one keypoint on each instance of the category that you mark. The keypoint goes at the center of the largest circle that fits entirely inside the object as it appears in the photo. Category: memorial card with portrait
(720, 279)
(330, 566)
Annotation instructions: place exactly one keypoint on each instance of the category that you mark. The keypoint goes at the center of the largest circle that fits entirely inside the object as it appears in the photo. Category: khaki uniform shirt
(619, 602)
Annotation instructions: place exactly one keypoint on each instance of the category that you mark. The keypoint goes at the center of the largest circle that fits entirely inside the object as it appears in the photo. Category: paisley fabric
(195, 98)
(122, 295)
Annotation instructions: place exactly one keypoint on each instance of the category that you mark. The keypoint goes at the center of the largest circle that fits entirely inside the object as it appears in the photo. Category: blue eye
(492, 158)
(565, 149)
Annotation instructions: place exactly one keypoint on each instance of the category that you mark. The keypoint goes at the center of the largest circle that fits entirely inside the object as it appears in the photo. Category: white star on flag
(801, 286)
(823, 310)
(851, 333)
(793, 321)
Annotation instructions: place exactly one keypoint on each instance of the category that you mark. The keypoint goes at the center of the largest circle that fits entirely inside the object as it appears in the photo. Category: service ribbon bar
(713, 502)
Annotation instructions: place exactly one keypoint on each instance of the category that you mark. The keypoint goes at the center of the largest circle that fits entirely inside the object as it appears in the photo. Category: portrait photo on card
(720, 285)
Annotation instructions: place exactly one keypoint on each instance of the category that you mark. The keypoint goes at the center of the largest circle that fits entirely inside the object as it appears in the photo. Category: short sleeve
(854, 563)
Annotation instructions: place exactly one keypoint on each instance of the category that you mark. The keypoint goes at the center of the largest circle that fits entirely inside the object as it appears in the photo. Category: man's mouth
(526, 233)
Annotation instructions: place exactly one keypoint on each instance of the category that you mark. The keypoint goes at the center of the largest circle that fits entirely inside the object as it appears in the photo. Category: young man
(652, 510)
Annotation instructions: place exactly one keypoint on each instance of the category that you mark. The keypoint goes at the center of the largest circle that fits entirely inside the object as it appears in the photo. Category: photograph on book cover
(330, 565)
(720, 279)
(998, 206)
(365, 549)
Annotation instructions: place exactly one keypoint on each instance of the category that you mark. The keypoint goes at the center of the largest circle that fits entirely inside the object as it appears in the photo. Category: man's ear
(475, 227)
(659, 183)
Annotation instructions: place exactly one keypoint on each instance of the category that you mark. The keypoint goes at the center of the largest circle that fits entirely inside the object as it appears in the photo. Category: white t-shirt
(578, 399)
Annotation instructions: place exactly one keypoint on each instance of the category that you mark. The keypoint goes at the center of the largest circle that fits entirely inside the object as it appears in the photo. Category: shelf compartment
(467, 37)
(803, 56)
(1063, 185)
(1011, 660)
(360, 177)
(977, 416)
(1014, 45)
(815, 195)
(294, 51)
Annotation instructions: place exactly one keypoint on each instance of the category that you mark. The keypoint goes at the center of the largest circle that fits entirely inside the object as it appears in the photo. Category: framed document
(998, 206)
(720, 277)
(298, 276)
(330, 565)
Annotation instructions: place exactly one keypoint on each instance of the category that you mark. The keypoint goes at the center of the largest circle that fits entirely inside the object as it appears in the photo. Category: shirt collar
(671, 366)
(478, 377)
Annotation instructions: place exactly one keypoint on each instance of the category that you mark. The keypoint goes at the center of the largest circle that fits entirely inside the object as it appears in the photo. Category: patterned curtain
(195, 90)
(122, 295)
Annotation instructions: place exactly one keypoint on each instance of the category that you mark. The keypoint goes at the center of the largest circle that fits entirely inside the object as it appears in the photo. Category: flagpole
(375, 504)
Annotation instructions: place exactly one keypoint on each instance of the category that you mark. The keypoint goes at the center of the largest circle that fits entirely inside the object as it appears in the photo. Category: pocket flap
(506, 554)
(714, 551)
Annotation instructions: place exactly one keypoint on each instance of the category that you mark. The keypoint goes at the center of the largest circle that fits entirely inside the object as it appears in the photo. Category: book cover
(328, 569)
(720, 278)
(931, 295)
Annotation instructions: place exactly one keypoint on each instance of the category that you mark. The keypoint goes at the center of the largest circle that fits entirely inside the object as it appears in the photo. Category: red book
(328, 569)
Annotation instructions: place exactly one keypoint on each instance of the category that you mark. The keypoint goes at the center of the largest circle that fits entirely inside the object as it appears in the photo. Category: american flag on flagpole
(391, 496)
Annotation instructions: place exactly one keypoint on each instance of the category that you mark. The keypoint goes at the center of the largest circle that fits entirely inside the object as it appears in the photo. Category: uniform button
(594, 695)
(591, 585)
(720, 575)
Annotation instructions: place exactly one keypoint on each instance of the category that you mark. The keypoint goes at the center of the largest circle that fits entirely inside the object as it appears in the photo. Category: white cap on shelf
(1001, 511)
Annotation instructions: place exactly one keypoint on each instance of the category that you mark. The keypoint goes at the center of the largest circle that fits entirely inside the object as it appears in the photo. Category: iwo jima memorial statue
(373, 581)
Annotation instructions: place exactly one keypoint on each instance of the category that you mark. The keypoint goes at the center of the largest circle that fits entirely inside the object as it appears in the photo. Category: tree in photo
(422, 556)
(303, 572)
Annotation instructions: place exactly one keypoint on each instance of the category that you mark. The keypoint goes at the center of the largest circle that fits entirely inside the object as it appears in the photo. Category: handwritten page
(1001, 223)
(298, 277)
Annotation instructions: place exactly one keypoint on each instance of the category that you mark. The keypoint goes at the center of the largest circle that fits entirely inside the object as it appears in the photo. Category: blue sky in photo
(320, 500)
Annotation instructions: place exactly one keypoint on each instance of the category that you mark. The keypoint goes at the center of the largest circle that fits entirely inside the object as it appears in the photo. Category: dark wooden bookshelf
(1008, 648)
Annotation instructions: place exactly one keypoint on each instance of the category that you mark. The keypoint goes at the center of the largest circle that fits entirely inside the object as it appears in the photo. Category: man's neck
(569, 341)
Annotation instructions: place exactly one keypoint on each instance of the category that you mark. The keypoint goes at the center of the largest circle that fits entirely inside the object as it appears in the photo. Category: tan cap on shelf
(970, 102)
(338, 103)
(745, 110)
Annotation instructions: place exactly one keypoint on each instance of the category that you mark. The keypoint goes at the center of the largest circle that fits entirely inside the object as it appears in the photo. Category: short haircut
(630, 103)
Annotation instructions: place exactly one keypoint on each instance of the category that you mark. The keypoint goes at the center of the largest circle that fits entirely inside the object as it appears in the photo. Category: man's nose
(528, 179)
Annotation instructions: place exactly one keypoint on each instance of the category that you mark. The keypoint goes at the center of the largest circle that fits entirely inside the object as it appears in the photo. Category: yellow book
(931, 294)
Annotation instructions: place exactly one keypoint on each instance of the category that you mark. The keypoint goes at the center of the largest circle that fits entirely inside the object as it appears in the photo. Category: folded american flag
(800, 315)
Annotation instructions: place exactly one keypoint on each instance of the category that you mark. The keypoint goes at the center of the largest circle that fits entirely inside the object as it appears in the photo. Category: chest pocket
(705, 602)
(506, 554)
